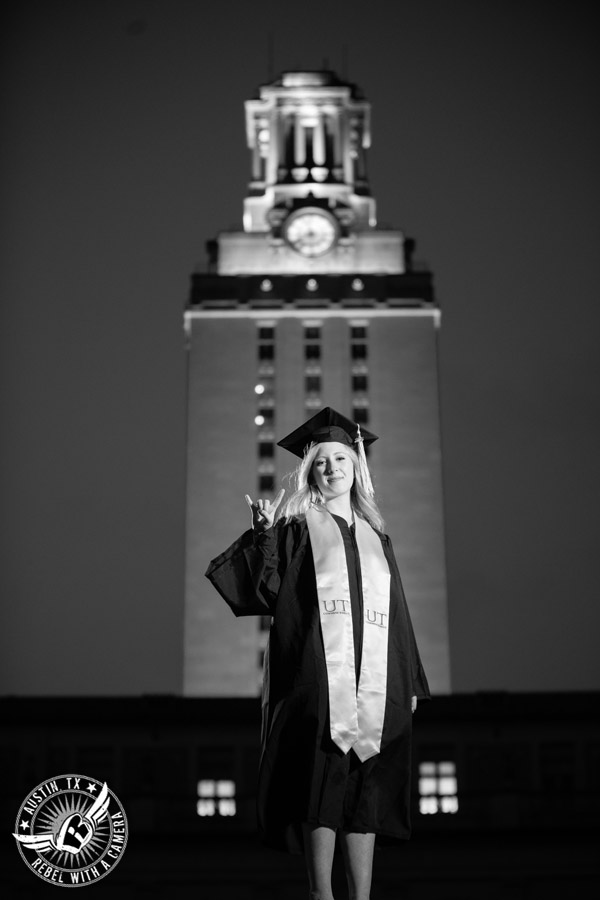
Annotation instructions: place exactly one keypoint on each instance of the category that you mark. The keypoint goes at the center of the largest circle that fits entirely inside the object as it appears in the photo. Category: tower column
(256, 154)
(299, 142)
(276, 154)
(337, 162)
(319, 142)
(346, 160)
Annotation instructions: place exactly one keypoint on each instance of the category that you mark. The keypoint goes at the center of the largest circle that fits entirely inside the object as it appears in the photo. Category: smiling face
(333, 470)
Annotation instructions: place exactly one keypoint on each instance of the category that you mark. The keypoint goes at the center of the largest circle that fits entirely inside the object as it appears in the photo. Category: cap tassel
(362, 463)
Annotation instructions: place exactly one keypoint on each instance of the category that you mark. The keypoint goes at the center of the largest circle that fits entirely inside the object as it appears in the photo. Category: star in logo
(91, 788)
(24, 825)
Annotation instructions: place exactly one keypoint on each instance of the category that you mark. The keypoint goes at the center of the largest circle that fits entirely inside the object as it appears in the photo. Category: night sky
(123, 151)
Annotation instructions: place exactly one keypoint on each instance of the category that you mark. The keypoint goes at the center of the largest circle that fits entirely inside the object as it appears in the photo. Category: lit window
(216, 798)
(259, 389)
(437, 787)
(312, 284)
(205, 807)
(358, 284)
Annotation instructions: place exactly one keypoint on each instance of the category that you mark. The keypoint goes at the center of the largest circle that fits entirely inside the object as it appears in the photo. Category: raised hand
(263, 511)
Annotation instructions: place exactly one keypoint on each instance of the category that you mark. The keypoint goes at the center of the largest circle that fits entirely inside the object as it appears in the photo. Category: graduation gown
(304, 776)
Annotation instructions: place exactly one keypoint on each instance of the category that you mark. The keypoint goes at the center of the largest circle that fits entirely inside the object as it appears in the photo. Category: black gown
(304, 776)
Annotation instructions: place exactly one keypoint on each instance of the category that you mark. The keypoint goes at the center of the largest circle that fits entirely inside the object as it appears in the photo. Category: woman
(342, 673)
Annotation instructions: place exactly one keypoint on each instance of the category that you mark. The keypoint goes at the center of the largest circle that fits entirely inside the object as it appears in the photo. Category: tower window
(313, 384)
(266, 449)
(359, 382)
(557, 766)
(312, 351)
(437, 787)
(312, 333)
(266, 333)
(358, 332)
(267, 414)
(216, 798)
(266, 483)
(266, 351)
(359, 351)
(360, 415)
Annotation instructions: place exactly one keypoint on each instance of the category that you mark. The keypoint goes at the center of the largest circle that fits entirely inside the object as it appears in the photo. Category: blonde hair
(306, 493)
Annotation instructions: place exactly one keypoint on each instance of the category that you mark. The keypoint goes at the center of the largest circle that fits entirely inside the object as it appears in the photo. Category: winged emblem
(76, 831)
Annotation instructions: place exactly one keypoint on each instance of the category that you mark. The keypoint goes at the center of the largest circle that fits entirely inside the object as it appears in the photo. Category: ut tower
(309, 305)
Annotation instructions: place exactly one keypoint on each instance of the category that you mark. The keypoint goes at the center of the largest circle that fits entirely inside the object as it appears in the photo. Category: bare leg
(319, 847)
(358, 861)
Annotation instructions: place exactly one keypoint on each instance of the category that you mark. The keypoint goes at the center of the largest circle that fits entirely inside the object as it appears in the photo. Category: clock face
(311, 232)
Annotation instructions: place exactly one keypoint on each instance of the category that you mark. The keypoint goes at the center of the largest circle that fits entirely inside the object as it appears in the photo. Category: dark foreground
(524, 779)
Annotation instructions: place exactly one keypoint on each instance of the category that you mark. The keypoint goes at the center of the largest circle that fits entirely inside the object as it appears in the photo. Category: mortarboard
(330, 425)
(326, 426)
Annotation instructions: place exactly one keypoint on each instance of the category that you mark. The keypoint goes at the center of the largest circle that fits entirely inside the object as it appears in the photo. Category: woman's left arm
(420, 687)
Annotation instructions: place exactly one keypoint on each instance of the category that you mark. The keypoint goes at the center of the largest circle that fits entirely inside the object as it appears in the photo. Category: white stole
(356, 715)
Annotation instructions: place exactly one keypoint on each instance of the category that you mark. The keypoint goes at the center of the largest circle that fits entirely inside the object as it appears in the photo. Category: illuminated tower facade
(310, 305)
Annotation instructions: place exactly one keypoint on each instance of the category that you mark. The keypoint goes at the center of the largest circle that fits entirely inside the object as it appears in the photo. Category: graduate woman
(342, 672)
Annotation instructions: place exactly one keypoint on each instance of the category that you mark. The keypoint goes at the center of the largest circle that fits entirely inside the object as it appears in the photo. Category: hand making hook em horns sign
(263, 511)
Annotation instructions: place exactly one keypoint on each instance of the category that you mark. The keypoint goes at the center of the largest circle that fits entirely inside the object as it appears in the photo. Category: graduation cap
(326, 426)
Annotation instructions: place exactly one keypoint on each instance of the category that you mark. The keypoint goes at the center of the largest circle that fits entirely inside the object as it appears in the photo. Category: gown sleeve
(420, 687)
(247, 575)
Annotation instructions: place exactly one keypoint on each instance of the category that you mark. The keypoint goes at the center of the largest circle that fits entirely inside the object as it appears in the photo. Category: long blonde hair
(306, 493)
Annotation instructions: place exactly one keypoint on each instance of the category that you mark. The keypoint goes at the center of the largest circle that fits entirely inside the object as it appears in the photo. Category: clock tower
(311, 304)
(309, 206)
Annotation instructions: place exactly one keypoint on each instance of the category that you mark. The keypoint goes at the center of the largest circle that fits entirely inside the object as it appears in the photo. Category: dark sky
(123, 150)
